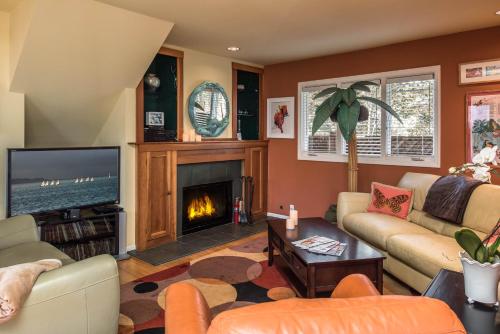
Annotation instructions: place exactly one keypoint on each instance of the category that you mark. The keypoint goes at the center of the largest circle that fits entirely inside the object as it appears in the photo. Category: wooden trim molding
(139, 124)
(260, 71)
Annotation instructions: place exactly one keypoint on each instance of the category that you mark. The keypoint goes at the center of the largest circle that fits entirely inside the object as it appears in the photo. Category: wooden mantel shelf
(204, 145)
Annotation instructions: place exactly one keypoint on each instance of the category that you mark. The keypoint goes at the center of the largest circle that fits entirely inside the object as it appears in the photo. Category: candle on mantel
(294, 216)
(198, 138)
(192, 135)
(290, 224)
(185, 136)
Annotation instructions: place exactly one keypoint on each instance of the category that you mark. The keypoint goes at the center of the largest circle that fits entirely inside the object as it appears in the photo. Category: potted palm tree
(343, 106)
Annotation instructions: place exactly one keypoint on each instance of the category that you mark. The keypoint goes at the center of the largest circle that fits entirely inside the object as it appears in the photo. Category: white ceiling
(271, 31)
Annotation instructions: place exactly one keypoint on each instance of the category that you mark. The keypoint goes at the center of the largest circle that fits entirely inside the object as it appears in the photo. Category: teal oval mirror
(209, 109)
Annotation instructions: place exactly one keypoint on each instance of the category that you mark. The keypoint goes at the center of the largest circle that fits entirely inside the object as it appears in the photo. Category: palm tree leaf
(349, 96)
(381, 104)
(363, 85)
(324, 111)
(347, 118)
(326, 91)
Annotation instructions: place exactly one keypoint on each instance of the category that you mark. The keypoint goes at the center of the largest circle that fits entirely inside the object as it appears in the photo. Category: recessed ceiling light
(233, 49)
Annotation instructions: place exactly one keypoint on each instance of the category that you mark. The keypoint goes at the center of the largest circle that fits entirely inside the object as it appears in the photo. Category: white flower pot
(481, 280)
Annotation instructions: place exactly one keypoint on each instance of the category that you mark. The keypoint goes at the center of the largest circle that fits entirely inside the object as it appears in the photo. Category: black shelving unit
(94, 232)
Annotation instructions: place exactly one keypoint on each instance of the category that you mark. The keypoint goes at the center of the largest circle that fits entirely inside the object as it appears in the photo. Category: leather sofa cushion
(483, 209)
(31, 251)
(420, 183)
(380, 314)
(376, 228)
(426, 253)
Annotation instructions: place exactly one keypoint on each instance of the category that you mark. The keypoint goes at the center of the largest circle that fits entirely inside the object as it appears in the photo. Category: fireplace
(206, 205)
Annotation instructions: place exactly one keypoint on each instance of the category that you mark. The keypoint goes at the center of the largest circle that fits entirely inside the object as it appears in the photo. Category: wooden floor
(134, 268)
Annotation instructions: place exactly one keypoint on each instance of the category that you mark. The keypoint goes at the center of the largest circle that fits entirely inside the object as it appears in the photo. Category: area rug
(230, 278)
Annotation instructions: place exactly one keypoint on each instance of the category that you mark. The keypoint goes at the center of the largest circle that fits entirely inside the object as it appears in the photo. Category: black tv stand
(95, 231)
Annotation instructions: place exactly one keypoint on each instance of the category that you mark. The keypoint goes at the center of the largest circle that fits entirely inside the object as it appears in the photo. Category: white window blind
(413, 100)
(325, 139)
(382, 139)
(369, 132)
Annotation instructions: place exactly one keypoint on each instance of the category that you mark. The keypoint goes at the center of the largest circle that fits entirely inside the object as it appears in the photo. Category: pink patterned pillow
(390, 200)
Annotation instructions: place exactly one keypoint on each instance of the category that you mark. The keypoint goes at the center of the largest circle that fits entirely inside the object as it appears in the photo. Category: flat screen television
(43, 180)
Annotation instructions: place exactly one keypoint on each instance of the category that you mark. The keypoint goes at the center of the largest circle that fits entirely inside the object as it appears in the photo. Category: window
(382, 139)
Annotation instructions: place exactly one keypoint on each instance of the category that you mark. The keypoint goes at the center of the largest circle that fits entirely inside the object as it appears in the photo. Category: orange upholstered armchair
(355, 307)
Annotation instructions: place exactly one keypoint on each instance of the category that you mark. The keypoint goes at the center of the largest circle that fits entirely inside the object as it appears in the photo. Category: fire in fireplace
(206, 205)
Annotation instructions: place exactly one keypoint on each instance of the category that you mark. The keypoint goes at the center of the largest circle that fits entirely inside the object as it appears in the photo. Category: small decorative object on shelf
(294, 215)
(290, 224)
(238, 133)
(481, 264)
(479, 171)
(152, 81)
(155, 118)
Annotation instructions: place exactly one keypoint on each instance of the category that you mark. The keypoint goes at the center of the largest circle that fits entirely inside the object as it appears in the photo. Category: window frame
(384, 159)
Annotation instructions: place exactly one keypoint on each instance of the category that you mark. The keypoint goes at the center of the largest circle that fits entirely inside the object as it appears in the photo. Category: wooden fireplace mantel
(156, 205)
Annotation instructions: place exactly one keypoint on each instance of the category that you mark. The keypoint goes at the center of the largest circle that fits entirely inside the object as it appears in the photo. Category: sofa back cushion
(380, 314)
(483, 209)
(420, 183)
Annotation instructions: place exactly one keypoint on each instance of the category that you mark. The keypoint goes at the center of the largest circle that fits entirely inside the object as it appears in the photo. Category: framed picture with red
(483, 127)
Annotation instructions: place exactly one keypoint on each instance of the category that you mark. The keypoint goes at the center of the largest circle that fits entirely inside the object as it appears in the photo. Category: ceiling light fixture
(498, 12)
(233, 49)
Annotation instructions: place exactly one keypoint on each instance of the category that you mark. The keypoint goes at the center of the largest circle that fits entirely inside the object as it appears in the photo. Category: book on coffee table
(321, 245)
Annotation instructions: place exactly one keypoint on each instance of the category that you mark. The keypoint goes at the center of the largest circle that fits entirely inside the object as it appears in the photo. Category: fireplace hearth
(206, 205)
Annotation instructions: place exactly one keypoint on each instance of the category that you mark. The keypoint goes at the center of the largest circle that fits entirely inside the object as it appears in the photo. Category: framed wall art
(479, 72)
(280, 117)
(483, 127)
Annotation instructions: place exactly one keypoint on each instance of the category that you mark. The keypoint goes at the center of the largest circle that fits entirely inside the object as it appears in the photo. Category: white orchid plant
(480, 171)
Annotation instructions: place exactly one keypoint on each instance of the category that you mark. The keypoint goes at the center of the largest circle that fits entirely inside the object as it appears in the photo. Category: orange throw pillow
(390, 200)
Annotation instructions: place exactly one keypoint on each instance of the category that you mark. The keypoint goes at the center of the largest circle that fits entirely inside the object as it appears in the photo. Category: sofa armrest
(355, 285)
(82, 297)
(350, 202)
(187, 311)
(17, 230)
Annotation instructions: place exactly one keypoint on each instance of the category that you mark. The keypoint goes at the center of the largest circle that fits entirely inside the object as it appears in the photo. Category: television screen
(41, 180)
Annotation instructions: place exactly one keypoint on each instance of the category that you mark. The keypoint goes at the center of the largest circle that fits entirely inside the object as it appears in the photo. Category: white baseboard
(276, 215)
(130, 248)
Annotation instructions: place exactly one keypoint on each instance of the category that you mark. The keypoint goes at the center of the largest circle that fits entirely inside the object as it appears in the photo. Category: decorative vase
(481, 280)
(152, 81)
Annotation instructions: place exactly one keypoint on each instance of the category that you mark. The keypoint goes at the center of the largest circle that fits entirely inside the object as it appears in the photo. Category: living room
(189, 167)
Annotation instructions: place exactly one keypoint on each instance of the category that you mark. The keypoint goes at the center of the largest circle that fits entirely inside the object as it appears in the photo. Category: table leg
(380, 276)
(311, 282)
(270, 249)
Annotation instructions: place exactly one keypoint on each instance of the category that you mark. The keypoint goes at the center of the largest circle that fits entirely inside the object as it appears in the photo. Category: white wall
(199, 67)
(11, 110)
(119, 130)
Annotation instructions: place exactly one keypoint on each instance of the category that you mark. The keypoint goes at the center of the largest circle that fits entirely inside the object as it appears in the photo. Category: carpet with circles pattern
(230, 278)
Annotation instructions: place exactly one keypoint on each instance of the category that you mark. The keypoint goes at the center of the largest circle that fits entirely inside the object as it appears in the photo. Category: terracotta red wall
(313, 186)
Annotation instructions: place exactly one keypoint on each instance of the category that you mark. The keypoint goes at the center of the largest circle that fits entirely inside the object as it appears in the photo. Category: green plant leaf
(469, 241)
(324, 111)
(363, 85)
(326, 91)
(197, 105)
(481, 255)
(382, 105)
(349, 96)
(493, 248)
(347, 118)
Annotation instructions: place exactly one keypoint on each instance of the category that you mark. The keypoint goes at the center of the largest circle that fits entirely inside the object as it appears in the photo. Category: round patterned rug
(230, 278)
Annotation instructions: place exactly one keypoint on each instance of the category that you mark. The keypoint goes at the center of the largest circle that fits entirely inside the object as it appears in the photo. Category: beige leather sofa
(79, 298)
(419, 247)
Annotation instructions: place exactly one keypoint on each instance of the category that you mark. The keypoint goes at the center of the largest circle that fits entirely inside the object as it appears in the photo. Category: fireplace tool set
(243, 206)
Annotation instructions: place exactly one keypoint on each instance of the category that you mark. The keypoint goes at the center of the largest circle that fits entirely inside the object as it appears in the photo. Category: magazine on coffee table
(321, 245)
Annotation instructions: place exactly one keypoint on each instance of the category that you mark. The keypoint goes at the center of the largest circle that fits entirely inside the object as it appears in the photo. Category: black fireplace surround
(205, 193)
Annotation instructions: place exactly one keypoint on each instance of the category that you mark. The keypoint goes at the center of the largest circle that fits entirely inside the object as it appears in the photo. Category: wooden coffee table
(312, 274)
